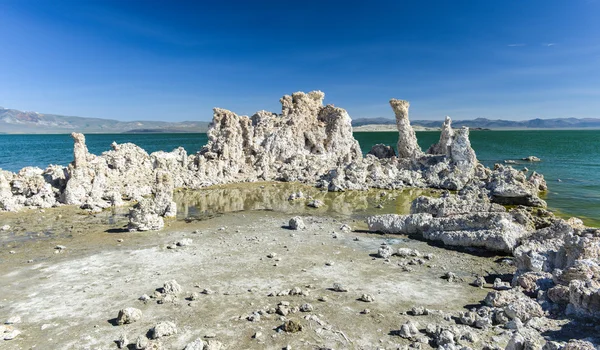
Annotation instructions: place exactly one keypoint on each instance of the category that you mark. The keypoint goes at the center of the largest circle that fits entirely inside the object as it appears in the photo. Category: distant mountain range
(13, 121)
(484, 123)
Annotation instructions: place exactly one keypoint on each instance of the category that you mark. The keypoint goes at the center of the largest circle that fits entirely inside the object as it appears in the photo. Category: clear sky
(175, 60)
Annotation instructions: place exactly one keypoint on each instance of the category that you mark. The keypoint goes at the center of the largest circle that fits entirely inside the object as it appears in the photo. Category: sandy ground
(69, 298)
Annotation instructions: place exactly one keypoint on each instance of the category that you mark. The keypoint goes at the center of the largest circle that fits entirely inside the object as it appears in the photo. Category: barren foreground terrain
(65, 275)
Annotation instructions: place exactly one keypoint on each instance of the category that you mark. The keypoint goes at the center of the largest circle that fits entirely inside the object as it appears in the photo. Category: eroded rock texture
(307, 142)
(446, 136)
(302, 143)
(407, 139)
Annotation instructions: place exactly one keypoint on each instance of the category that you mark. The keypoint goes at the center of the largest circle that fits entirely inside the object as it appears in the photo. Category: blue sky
(176, 60)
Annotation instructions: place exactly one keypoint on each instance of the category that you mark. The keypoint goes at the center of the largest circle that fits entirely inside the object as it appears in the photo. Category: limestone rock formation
(493, 231)
(163, 195)
(511, 187)
(407, 139)
(143, 217)
(446, 136)
(301, 144)
(467, 219)
(148, 213)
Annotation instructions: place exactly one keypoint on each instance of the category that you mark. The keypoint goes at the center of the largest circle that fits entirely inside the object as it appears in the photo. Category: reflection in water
(206, 202)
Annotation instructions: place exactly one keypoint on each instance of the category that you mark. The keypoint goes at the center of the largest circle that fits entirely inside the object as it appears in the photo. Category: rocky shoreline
(556, 263)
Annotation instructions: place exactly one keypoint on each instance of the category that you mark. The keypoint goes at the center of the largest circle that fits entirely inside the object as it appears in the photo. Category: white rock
(163, 329)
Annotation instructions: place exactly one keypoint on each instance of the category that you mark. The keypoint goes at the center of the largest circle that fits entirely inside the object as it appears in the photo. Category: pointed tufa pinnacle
(446, 137)
(407, 139)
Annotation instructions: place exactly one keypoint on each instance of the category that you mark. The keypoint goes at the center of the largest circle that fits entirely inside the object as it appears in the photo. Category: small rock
(407, 252)
(141, 342)
(408, 330)
(213, 344)
(315, 203)
(172, 287)
(418, 311)
(445, 338)
(479, 282)
(345, 228)
(13, 320)
(197, 344)
(296, 223)
(367, 298)
(12, 334)
(306, 307)
(144, 297)
(531, 159)
(163, 329)
(514, 324)
(365, 311)
(338, 287)
(499, 285)
(450, 276)
(385, 252)
(291, 326)
(5, 228)
(129, 315)
(60, 247)
(254, 317)
(184, 242)
(122, 341)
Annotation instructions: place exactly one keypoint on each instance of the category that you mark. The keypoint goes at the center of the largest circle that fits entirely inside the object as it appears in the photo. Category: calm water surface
(571, 156)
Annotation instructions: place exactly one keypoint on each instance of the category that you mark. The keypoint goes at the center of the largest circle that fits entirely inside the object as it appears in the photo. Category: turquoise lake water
(573, 156)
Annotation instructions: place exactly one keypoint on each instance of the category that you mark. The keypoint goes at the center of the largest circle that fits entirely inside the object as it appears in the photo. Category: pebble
(184, 242)
(122, 341)
(338, 287)
(5, 228)
(291, 326)
(367, 298)
(12, 334)
(306, 307)
(315, 203)
(450, 276)
(197, 344)
(479, 282)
